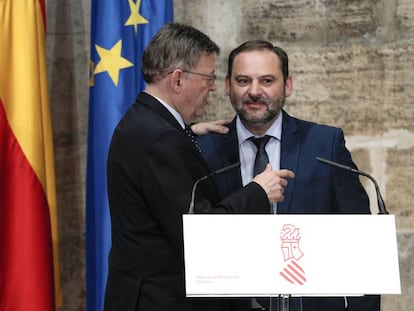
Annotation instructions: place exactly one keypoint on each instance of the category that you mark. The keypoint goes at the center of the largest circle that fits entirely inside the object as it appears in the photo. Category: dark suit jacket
(316, 189)
(152, 166)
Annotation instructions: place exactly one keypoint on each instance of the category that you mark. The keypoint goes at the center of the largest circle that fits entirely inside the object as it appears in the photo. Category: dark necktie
(262, 158)
(260, 162)
(192, 137)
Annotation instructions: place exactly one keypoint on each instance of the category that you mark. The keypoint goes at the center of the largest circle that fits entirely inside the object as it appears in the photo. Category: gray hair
(174, 46)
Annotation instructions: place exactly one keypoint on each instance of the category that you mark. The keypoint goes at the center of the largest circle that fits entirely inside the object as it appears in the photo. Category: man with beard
(257, 83)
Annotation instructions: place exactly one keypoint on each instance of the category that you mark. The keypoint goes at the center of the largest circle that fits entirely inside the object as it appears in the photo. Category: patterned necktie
(192, 137)
(261, 155)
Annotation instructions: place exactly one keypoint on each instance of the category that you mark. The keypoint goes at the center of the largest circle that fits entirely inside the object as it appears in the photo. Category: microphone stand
(212, 174)
(191, 209)
(380, 201)
(282, 303)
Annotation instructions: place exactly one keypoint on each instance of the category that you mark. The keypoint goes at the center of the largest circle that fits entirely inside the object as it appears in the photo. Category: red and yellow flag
(29, 271)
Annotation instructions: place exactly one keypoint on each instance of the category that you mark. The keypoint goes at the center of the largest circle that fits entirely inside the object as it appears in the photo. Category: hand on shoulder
(217, 126)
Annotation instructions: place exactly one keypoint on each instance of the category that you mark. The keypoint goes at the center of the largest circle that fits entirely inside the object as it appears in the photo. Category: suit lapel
(290, 148)
(231, 150)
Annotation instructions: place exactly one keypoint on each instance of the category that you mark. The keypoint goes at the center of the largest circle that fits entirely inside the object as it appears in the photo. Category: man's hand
(216, 126)
(274, 182)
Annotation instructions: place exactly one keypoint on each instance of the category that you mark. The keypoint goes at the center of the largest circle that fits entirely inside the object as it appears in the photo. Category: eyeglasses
(210, 78)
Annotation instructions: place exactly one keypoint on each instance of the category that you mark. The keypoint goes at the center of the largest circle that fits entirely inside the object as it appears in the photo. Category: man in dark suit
(257, 83)
(152, 167)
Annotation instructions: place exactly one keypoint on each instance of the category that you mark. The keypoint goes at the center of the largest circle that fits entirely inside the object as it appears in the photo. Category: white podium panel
(268, 255)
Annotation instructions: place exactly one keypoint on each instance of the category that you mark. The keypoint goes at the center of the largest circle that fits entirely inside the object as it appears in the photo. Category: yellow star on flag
(135, 18)
(112, 61)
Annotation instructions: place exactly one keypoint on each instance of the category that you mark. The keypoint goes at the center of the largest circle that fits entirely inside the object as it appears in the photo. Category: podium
(290, 255)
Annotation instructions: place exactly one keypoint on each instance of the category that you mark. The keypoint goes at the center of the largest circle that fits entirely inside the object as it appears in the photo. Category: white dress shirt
(247, 153)
(174, 112)
(247, 149)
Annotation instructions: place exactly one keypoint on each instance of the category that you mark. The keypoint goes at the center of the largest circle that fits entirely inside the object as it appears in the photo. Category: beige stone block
(405, 17)
(365, 89)
(308, 21)
(400, 172)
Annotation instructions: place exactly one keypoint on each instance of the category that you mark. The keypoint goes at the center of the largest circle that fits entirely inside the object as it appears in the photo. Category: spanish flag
(28, 227)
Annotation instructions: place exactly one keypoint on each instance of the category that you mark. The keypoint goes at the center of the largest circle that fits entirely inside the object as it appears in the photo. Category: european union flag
(120, 31)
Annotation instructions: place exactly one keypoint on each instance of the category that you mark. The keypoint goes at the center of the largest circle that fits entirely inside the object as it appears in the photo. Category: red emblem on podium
(293, 272)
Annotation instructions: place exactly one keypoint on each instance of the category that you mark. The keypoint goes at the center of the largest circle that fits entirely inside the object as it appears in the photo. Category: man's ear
(176, 79)
(288, 86)
(227, 82)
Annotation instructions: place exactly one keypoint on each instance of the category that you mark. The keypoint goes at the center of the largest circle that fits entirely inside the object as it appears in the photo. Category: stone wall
(352, 64)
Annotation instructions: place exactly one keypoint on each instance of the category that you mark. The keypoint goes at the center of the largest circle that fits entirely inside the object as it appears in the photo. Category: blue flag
(120, 30)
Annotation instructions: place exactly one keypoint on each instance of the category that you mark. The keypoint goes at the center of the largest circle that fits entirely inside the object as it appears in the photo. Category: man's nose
(255, 89)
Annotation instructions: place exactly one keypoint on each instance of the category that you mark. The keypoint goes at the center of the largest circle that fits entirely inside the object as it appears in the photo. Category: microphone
(381, 204)
(212, 174)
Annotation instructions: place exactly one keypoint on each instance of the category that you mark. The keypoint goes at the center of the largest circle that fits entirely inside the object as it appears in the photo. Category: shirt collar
(174, 112)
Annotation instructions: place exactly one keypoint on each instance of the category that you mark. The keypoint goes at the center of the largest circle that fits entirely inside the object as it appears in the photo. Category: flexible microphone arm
(212, 174)
(381, 204)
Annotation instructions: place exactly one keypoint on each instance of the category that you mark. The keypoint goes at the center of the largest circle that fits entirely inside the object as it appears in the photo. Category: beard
(257, 119)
